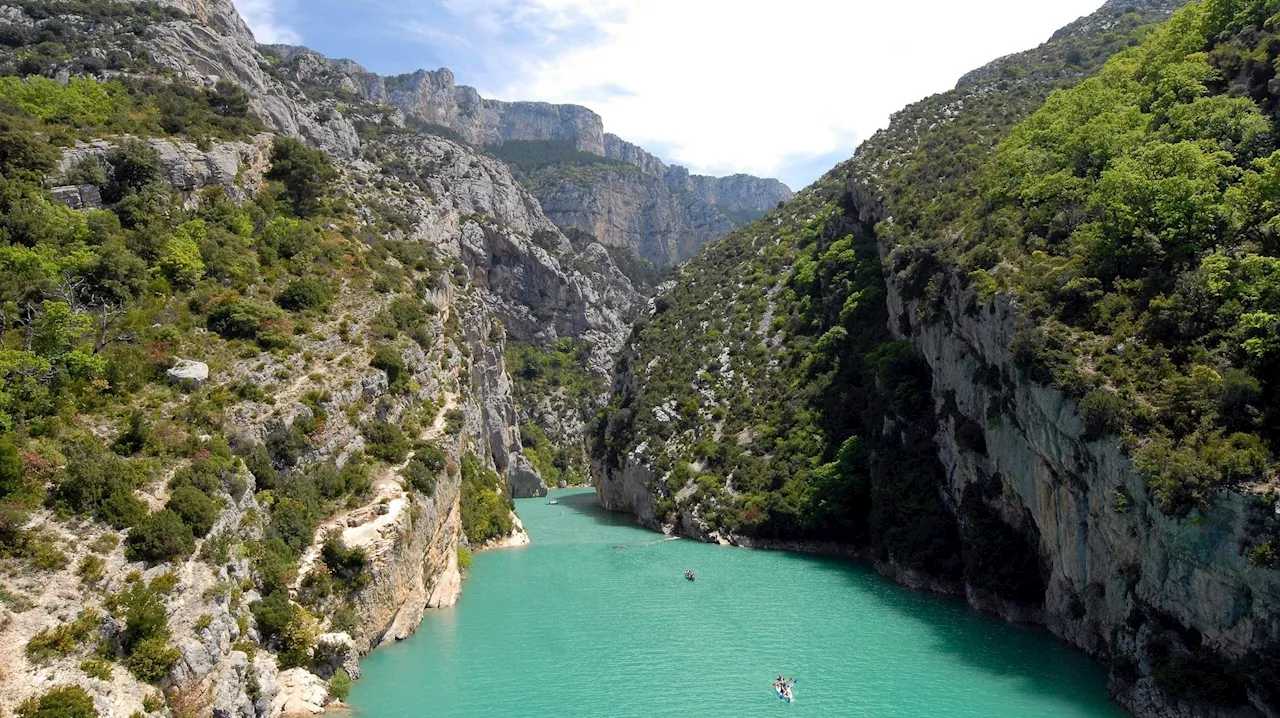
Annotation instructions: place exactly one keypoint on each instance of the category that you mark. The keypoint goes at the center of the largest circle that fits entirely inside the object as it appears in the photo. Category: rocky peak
(619, 149)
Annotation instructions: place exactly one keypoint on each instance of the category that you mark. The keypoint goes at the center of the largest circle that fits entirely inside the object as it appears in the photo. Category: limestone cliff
(434, 98)
(661, 213)
(740, 198)
(622, 207)
(218, 44)
(1116, 571)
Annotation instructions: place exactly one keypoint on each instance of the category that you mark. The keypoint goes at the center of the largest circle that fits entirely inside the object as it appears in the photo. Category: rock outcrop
(662, 213)
(215, 43)
(237, 167)
(469, 207)
(433, 97)
(188, 372)
(1115, 569)
(740, 198)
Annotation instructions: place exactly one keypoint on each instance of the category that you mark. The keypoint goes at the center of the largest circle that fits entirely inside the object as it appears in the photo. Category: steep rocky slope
(229, 532)
(904, 414)
(661, 213)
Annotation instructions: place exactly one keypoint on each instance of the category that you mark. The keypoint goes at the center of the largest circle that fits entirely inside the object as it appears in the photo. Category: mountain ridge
(665, 214)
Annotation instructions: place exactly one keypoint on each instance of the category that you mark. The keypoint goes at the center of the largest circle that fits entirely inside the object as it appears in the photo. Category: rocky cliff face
(1118, 571)
(662, 213)
(217, 44)
(434, 98)
(622, 207)
(741, 197)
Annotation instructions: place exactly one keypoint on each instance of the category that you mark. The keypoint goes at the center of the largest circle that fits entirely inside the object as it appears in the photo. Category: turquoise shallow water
(596, 619)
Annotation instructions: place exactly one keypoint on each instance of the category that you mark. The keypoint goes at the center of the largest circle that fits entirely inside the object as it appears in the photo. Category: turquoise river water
(595, 618)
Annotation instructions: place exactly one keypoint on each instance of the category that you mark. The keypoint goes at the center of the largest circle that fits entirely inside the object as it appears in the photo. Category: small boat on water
(688, 575)
(784, 689)
(553, 502)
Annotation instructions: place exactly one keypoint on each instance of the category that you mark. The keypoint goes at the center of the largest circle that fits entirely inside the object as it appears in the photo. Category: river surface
(595, 618)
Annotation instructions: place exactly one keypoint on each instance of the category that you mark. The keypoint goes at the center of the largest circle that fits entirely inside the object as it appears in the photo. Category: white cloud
(751, 86)
(262, 17)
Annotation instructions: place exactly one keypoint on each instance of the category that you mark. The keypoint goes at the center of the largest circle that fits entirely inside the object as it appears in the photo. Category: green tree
(24, 155)
(486, 510)
(80, 102)
(305, 293)
(389, 359)
(135, 165)
(152, 659)
(340, 685)
(305, 173)
(122, 508)
(385, 441)
(11, 468)
(180, 259)
(161, 536)
(195, 508)
(293, 523)
(425, 467)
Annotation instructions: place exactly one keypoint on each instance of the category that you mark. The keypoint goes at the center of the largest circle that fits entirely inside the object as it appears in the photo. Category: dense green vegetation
(555, 377)
(428, 464)
(94, 305)
(149, 107)
(528, 157)
(81, 37)
(766, 375)
(59, 702)
(781, 433)
(1132, 216)
(486, 507)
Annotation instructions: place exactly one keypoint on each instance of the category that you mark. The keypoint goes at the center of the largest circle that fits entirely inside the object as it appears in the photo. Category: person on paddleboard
(783, 687)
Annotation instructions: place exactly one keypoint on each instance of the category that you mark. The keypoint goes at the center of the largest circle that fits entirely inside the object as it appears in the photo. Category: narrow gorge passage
(555, 630)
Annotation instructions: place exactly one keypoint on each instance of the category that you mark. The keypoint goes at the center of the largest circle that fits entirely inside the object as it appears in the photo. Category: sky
(785, 88)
